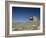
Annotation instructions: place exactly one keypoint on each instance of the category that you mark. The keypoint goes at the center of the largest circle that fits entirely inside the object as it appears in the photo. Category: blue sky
(20, 14)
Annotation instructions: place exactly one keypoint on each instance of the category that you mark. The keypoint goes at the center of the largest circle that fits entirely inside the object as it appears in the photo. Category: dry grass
(24, 26)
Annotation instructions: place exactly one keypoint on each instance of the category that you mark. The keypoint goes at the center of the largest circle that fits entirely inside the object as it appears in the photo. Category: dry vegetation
(25, 26)
(30, 25)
